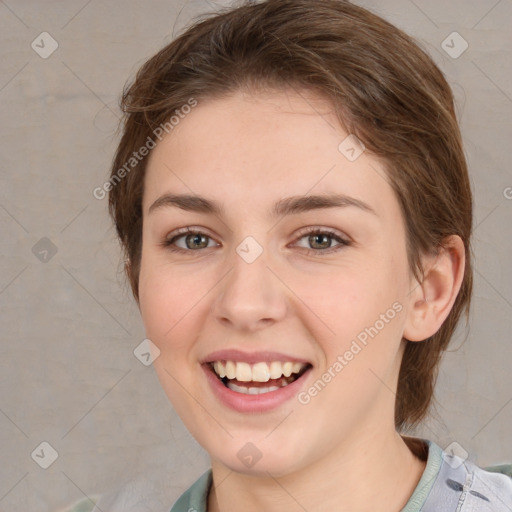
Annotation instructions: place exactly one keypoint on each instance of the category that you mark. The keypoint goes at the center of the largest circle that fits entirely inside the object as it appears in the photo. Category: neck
(355, 476)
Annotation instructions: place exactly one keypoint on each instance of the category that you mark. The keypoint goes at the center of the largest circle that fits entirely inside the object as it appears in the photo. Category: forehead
(256, 148)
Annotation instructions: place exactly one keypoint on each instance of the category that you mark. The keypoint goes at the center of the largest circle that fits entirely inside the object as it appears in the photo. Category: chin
(246, 458)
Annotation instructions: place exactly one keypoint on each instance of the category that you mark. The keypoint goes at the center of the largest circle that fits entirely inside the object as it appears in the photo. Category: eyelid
(342, 239)
(308, 230)
(180, 232)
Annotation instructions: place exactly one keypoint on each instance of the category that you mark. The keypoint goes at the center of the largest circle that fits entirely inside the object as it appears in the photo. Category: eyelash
(302, 234)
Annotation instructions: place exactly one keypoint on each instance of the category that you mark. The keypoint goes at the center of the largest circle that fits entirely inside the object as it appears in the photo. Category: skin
(340, 451)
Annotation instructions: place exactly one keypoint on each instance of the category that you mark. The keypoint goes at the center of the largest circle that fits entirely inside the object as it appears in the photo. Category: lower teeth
(256, 390)
(251, 391)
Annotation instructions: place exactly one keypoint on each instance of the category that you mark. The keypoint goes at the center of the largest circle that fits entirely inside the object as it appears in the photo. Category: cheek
(172, 303)
(160, 297)
(345, 297)
(361, 304)
(156, 302)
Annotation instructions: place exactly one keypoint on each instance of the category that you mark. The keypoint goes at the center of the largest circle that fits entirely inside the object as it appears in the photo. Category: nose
(251, 296)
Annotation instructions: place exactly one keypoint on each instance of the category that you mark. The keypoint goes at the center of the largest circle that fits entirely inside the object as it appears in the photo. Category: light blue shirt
(448, 484)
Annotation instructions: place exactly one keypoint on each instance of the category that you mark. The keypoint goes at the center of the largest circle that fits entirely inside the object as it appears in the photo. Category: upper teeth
(259, 372)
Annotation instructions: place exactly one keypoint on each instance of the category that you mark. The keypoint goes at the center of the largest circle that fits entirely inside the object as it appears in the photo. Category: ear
(430, 301)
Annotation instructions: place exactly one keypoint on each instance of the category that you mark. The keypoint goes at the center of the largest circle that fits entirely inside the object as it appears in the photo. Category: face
(291, 258)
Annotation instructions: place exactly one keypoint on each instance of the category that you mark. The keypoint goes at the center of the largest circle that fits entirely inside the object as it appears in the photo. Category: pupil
(314, 238)
(196, 239)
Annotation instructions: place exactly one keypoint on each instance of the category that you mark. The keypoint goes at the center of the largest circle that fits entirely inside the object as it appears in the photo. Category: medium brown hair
(385, 89)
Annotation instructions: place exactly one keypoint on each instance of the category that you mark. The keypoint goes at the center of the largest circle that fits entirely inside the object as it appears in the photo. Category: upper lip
(251, 357)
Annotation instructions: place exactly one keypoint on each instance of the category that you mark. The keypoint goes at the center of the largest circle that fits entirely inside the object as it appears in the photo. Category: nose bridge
(250, 296)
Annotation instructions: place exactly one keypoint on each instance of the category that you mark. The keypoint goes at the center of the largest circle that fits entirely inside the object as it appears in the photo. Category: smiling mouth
(258, 378)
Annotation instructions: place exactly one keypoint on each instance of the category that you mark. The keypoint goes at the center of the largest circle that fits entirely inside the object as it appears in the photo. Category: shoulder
(135, 495)
(463, 486)
(142, 494)
(459, 484)
(84, 505)
(504, 469)
(492, 485)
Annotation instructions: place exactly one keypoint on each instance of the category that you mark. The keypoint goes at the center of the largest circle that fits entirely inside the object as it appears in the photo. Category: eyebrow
(287, 206)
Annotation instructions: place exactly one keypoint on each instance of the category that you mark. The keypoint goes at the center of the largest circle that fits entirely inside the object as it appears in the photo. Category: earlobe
(431, 301)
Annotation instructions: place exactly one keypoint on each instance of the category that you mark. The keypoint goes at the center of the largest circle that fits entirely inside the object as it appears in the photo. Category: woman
(293, 200)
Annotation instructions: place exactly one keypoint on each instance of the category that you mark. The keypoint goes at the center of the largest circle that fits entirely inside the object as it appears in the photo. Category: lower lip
(253, 403)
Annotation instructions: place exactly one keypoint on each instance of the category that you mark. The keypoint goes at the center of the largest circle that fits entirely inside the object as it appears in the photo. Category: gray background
(68, 323)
